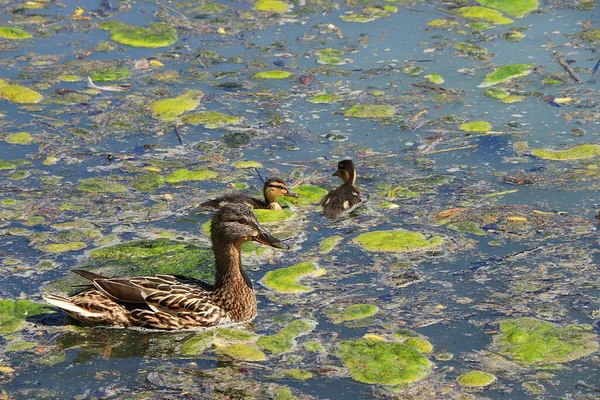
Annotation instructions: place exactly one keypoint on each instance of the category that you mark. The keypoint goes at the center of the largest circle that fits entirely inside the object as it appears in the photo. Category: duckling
(173, 302)
(273, 189)
(345, 197)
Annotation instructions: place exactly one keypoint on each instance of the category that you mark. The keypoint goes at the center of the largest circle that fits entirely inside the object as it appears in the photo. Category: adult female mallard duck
(174, 301)
(345, 197)
(273, 189)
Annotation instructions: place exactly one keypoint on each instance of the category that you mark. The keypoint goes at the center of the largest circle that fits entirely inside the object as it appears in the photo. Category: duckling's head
(236, 223)
(275, 188)
(346, 172)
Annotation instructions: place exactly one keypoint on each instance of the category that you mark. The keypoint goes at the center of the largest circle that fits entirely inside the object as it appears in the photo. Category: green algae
(108, 74)
(20, 346)
(361, 18)
(330, 57)
(22, 138)
(184, 175)
(434, 78)
(327, 244)
(307, 194)
(57, 248)
(247, 164)
(443, 23)
(470, 48)
(160, 34)
(273, 74)
(532, 341)
(14, 312)
(370, 14)
(148, 182)
(19, 175)
(351, 313)
(210, 119)
(371, 111)
(506, 73)
(513, 98)
(590, 35)
(383, 363)
(70, 78)
(100, 185)
(284, 340)
(471, 227)
(283, 280)
(270, 216)
(476, 379)
(7, 32)
(496, 93)
(274, 6)
(297, 374)
(422, 345)
(574, 153)
(169, 109)
(241, 351)
(517, 9)
(18, 94)
(324, 98)
(396, 241)
(220, 336)
(478, 26)
(313, 347)
(476, 126)
(484, 14)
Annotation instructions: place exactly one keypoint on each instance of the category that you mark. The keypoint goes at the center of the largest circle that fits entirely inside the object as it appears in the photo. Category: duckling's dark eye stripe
(277, 187)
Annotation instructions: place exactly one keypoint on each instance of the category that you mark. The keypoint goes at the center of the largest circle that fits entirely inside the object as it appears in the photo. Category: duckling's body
(273, 189)
(173, 301)
(345, 197)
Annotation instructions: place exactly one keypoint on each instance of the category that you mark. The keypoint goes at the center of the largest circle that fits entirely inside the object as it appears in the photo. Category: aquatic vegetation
(8, 32)
(14, 312)
(470, 48)
(476, 379)
(371, 111)
(108, 74)
(210, 119)
(273, 74)
(222, 338)
(297, 374)
(169, 109)
(247, 164)
(269, 216)
(275, 6)
(506, 73)
(284, 340)
(19, 138)
(18, 94)
(434, 78)
(424, 346)
(517, 9)
(330, 57)
(580, 152)
(532, 341)
(484, 14)
(100, 185)
(324, 98)
(443, 23)
(160, 34)
(496, 93)
(351, 312)
(307, 194)
(396, 241)
(383, 363)
(313, 347)
(476, 126)
(590, 35)
(184, 175)
(471, 227)
(283, 280)
(241, 351)
(327, 244)
(148, 182)
(370, 14)
(58, 248)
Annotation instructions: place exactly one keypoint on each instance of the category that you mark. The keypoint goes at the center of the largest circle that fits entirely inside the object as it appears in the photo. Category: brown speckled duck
(177, 302)
(345, 197)
(273, 189)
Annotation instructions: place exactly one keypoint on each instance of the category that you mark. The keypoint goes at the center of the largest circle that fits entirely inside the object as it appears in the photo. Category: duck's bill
(291, 194)
(265, 238)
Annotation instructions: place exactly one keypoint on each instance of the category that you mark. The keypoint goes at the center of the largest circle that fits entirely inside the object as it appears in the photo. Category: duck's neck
(350, 178)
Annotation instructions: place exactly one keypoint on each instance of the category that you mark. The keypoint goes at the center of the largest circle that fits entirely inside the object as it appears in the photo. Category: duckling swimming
(177, 302)
(345, 197)
(273, 189)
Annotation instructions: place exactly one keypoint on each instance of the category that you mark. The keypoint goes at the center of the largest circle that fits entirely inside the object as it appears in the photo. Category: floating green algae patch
(273, 74)
(590, 35)
(18, 94)
(14, 312)
(169, 109)
(517, 9)
(297, 374)
(110, 74)
(221, 336)
(434, 78)
(476, 379)
(470, 48)
(210, 119)
(371, 111)
(7, 32)
(160, 34)
(533, 341)
(422, 345)
(324, 98)
(443, 23)
(351, 312)
(327, 244)
(471, 227)
(241, 351)
(19, 138)
(383, 363)
(58, 248)
(574, 153)
(247, 164)
(19, 346)
(330, 57)
(148, 182)
(184, 175)
(283, 280)
(484, 14)
(506, 73)
(307, 194)
(268, 216)
(100, 185)
(275, 6)
(370, 14)
(284, 340)
(496, 93)
(476, 126)
(396, 241)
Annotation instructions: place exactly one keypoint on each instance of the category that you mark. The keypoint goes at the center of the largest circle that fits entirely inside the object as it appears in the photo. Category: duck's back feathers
(340, 200)
(235, 198)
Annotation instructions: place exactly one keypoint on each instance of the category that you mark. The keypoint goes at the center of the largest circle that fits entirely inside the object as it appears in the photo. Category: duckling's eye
(242, 221)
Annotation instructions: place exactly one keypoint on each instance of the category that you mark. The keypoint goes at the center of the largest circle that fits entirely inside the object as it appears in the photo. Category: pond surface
(498, 181)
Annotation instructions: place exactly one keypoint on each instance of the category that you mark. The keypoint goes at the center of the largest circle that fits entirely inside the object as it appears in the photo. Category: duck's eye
(242, 220)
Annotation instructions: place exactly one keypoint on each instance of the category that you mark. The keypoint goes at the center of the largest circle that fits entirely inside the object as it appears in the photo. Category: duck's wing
(340, 200)
(235, 198)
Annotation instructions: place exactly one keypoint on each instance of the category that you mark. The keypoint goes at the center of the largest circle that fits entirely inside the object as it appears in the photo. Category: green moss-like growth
(307, 194)
(297, 374)
(506, 73)
(327, 244)
(100, 185)
(471, 227)
(7, 32)
(14, 312)
(443, 23)
(580, 152)
(18, 94)
(434, 78)
(383, 363)
(241, 351)
(110, 74)
(513, 98)
(160, 34)
(496, 93)
(590, 35)
(533, 341)
(284, 340)
(148, 182)
(283, 280)
(274, 6)
(247, 164)
(19, 175)
(351, 313)
(476, 126)
(396, 241)
(70, 78)
(220, 337)
(362, 18)
(324, 98)
(420, 344)
(273, 74)
(313, 347)
(330, 57)
(57, 248)
(19, 346)
(478, 25)
(470, 48)
(476, 379)
(210, 119)
(169, 109)
(184, 175)
(517, 9)
(270, 216)
(371, 111)
(370, 14)
(19, 138)
(484, 14)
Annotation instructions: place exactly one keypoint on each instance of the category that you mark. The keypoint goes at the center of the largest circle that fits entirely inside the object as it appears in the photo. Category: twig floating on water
(178, 134)
(569, 70)
(119, 88)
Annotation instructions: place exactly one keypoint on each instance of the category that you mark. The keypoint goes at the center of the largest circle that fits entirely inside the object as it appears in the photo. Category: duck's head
(235, 224)
(275, 188)
(346, 172)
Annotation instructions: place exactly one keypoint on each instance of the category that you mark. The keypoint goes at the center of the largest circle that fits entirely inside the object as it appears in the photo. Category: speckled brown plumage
(173, 301)
(345, 197)
(273, 189)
